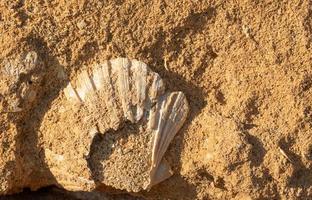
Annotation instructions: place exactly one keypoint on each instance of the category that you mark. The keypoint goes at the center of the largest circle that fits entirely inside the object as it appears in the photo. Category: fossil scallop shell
(113, 94)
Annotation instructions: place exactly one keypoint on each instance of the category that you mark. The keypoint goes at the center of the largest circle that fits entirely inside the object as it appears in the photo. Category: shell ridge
(92, 83)
(110, 97)
(157, 87)
(174, 105)
(123, 87)
(97, 77)
(71, 93)
(153, 124)
(172, 126)
(84, 87)
(139, 76)
(162, 128)
(159, 121)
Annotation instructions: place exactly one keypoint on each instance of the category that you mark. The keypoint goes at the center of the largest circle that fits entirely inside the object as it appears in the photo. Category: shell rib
(165, 121)
(121, 90)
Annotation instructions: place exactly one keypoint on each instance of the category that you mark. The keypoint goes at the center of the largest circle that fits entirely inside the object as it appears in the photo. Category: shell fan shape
(121, 91)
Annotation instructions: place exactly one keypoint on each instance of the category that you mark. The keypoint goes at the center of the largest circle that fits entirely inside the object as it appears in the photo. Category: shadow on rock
(32, 171)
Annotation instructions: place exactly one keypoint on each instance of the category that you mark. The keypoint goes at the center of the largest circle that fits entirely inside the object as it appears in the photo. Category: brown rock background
(245, 67)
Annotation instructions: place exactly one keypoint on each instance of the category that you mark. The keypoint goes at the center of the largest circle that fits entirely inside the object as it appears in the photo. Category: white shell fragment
(115, 93)
(165, 121)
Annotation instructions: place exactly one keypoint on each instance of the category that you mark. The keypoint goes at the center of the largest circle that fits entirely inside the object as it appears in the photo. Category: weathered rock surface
(244, 66)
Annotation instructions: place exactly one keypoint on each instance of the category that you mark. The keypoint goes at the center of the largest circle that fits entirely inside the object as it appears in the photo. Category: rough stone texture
(245, 67)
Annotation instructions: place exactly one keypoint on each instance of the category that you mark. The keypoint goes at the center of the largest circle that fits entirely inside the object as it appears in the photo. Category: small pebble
(82, 24)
